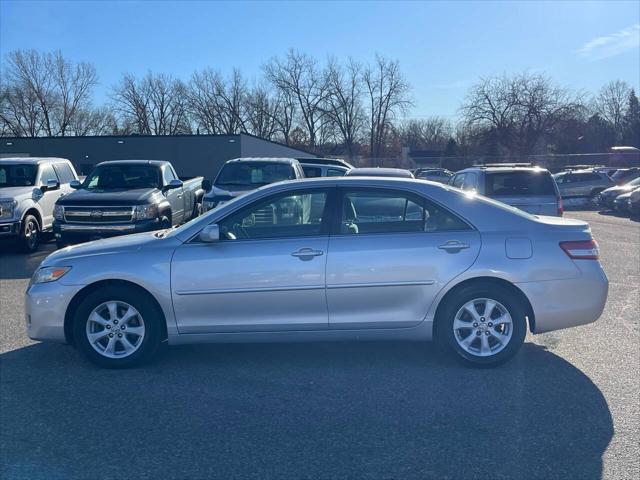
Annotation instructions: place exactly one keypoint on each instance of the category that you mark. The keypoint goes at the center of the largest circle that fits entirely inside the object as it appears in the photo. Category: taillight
(581, 250)
(560, 207)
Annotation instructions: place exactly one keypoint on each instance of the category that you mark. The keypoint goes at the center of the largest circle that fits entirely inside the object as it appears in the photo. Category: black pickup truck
(126, 196)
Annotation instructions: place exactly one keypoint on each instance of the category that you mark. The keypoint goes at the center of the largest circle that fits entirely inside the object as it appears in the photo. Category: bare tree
(516, 113)
(155, 104)
(343, 103)
(388, 95)
(428, 133)
(42, 92)
(611, 104)
(298, 77)
(262, 112)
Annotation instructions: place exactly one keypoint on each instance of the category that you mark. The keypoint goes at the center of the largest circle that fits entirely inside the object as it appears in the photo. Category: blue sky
(443, 47)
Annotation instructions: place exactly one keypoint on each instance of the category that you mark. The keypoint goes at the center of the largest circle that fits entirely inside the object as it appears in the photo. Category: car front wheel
(484, 326)
(117, 327)
(30, 234)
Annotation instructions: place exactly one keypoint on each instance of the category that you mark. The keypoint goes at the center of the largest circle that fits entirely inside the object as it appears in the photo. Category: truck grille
(98, 214)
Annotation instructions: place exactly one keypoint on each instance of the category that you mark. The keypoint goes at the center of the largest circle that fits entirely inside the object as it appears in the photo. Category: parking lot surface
(566, 407)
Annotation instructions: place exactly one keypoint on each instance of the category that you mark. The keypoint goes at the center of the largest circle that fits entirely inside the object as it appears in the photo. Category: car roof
(379, 172)
(290, 161)
(325, 165)
(32, 160)
(325, 161)
(502, 169)
(135, 162)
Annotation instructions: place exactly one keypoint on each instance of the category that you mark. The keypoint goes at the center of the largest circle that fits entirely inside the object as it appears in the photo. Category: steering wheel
(240, 231)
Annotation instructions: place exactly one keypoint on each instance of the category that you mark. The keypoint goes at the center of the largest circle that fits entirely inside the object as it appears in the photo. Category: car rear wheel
(484, 326)
(30, 234)
(117, 327)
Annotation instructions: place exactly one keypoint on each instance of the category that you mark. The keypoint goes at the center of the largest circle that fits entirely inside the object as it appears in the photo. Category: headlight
(7, 207)
(49, 274)
(58, 212)
(145, 212)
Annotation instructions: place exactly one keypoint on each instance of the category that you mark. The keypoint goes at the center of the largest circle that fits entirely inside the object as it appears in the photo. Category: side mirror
(175, 183)
(206, 185)
(75, 184)
(210, 234)
(50, 185)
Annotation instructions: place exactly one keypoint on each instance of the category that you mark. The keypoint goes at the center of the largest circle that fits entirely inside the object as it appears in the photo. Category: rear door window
(522, 183)
(312, 172)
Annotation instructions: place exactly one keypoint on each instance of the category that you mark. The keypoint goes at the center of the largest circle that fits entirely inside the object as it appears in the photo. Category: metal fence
(552, 162)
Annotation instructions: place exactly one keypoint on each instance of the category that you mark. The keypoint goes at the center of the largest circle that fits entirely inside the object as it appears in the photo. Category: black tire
(165, 223)
(513, 304)
(29, 238)
(150, 312)
(60, 244)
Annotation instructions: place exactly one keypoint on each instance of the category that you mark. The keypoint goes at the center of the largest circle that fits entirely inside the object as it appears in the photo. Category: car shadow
(17, 265)
(325, 410)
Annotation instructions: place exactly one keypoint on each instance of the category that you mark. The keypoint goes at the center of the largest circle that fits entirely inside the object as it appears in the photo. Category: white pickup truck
(29, 189)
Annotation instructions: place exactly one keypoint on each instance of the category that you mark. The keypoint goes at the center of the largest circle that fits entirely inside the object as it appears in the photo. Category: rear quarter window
(519, 183)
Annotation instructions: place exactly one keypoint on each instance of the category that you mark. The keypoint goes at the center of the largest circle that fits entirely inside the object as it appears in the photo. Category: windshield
(109, 177)
(523, 183)
(18, 175)
(254, 174)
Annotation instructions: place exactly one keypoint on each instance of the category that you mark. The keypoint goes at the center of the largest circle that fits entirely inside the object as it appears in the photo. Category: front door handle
(307, 253)
(453, 246)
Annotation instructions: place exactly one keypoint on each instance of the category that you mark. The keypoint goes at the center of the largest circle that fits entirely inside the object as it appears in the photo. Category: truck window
(17, 175)
(65, 174)
(47, 173)
(168, 175)
(123, 176)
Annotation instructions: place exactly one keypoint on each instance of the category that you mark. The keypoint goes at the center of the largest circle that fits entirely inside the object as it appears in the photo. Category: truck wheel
(117, 327)
(165, 223)
(29, 239)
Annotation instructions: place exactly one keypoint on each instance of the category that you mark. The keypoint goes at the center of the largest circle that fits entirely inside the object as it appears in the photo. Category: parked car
(29, 189)
(386, 258)
(621, 203)
(379, 172)
(324, 167)
(241, 175)
(531, 189)
(625, 175)
(440, 175)
(126, 196)
(634, 202)
(606, 198)
(582, 183)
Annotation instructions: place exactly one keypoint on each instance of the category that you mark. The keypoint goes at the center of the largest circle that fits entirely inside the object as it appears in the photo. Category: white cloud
(611, 45)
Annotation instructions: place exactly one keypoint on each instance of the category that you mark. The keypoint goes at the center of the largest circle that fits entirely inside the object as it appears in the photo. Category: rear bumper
(78, 233)
(559, 304)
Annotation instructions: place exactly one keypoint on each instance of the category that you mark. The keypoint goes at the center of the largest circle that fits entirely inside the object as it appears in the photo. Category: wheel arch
(77, 298)
(32, 210)
(484, 281)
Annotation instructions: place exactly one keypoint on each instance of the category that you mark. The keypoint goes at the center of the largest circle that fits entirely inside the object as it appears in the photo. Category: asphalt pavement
(568, 406)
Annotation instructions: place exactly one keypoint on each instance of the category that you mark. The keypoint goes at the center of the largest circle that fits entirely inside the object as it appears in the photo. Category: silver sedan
(326, 259)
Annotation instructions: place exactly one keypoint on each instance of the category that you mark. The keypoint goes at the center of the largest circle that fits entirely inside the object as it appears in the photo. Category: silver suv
(531, 189)
(582, 183)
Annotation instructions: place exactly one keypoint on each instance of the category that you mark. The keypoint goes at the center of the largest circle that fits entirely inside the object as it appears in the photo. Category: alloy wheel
(115, 329)
(483, 327)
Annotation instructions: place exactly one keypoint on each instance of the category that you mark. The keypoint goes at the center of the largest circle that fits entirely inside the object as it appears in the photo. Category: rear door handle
(307, 253)
(453, 246)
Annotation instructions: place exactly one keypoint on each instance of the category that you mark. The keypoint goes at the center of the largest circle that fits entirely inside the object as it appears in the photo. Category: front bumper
(82, 232)
(10, 229)
(559, 304)
(45, 306)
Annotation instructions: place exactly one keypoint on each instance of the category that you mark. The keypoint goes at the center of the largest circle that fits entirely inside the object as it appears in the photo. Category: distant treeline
(331, 107)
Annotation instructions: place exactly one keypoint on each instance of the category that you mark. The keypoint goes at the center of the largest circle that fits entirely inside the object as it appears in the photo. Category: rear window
(521, 183)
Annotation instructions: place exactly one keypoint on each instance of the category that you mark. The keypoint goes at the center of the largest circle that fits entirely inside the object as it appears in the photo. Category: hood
(617, 190)
(230, 192)
(105, 246)
(18, 193)
(123, 196)
(624, 197)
